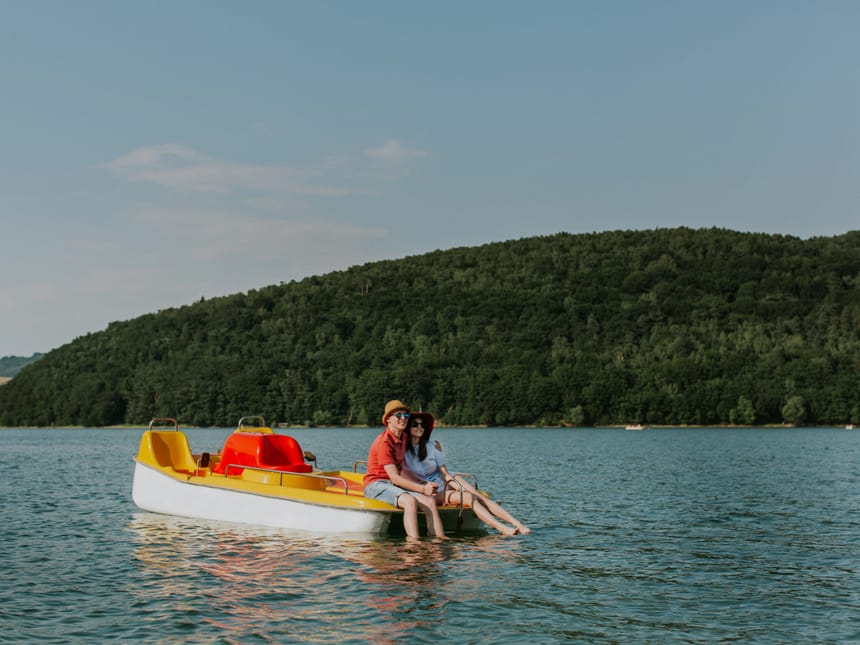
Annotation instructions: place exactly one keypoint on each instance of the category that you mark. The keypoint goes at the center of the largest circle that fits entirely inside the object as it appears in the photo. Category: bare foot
(523, 530)
(508, 531)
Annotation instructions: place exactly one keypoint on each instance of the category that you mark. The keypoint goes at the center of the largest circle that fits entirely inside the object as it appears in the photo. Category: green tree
(794, 410)
(744, 413)
(576, 416)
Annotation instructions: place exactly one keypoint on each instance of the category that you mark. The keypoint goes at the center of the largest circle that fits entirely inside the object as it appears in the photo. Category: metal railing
(281, 474)
(164, 420)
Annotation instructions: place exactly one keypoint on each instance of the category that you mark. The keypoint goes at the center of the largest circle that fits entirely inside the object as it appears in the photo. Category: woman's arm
(446, 476)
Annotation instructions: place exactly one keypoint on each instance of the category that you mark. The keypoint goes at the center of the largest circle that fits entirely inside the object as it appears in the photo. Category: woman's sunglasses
(418, 424)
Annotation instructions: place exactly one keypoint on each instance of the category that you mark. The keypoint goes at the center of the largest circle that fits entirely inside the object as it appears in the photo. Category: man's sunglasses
(401, 415)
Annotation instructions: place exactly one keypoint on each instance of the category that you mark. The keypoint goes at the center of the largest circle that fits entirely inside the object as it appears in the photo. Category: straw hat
(393, 406)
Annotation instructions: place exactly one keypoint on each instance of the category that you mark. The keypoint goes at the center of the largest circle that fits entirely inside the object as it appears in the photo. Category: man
(385, 479)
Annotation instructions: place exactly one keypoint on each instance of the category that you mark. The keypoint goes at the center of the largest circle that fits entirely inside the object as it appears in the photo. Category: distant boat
(635, 426)
(850, 426)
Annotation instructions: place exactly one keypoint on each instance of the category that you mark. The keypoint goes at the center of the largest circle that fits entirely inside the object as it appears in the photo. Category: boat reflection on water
(413, 585)
(401, 584)
(243, 582)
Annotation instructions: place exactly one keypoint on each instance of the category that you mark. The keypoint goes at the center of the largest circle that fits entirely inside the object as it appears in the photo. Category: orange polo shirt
(386, 449)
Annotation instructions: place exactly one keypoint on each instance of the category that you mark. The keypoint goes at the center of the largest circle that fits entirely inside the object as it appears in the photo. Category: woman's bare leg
(488, 518)
(467, 500)
(493, 507)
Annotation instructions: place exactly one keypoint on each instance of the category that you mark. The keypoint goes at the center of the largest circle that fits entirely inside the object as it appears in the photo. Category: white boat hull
(155, 491)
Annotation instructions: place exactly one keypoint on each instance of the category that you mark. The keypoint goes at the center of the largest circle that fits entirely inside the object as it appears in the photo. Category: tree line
(667, 326)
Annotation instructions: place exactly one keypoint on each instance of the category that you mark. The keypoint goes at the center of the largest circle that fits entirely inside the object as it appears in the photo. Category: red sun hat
(429, 422)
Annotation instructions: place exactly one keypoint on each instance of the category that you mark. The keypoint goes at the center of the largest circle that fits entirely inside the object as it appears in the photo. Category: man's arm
(427, 488)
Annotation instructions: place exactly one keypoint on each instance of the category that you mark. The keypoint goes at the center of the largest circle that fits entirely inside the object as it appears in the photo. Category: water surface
(698, 535)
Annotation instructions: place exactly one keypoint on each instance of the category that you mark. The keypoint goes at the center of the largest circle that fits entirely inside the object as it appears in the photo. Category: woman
(426, 463)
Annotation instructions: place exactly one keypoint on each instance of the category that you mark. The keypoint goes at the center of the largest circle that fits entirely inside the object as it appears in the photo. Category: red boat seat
(282, 452)
(272, 451)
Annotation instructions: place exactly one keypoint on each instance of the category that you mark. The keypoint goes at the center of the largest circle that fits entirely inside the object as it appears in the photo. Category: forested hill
(666, 326)
(11, 365)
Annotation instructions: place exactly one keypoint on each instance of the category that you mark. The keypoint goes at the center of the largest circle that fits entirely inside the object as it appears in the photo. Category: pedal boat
(263, 477)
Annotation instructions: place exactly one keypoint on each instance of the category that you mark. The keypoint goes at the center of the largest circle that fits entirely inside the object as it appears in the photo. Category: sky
(156, 153)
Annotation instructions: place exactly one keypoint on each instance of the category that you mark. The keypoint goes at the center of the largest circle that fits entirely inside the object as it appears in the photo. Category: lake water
(688, 536)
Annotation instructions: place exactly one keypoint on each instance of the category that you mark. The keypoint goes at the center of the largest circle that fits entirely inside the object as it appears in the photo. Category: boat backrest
(284, 453)
(240, 449)
(261, 450)
(170, 448)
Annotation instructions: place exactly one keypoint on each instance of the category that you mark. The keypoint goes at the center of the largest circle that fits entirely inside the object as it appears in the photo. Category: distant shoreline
(771, 426)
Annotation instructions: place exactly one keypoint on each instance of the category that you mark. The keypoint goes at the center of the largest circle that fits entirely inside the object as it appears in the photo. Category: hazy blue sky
(155, 152)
